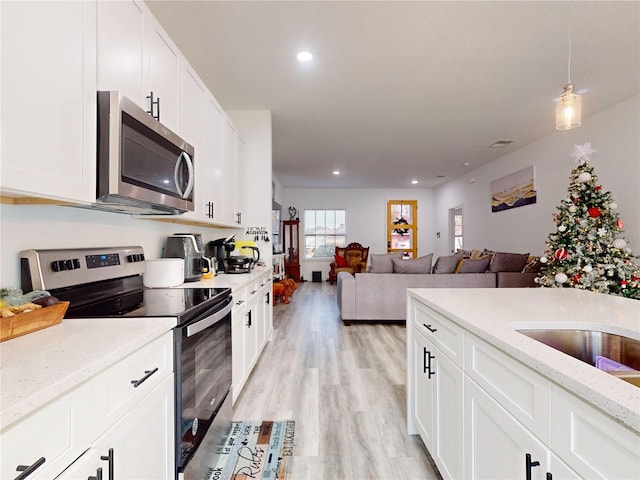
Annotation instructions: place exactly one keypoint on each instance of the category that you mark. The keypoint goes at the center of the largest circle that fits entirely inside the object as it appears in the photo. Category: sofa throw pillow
(473, 265)
(382, 263)
(340, 261)
(418, 265)
(534, 265)
(508, 262)
(447, 264)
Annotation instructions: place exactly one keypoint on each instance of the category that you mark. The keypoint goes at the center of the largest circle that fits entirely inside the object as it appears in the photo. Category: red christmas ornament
(594, 212)
(619, 224)
(634, 278)
(560, 254)
(575, 200)
(576, 278)
(597, 188)
(623, 283)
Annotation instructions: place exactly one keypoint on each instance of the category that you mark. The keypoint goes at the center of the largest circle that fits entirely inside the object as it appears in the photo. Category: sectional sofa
(382, 295)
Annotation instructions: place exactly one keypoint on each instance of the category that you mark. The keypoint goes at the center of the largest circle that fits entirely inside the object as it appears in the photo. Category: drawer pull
(147, 374)
(430, 328)
(528, 465)
(109, 459)
(253, 292)
(98, 475)
(239, 302)
(29, 469)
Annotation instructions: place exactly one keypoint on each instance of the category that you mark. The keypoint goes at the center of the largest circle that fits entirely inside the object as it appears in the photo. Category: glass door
(402, 227)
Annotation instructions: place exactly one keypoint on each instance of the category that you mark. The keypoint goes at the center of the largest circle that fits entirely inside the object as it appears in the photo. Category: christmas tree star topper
(582, 153)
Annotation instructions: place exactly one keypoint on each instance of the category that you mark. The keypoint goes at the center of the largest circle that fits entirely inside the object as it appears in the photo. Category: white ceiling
(404, 90)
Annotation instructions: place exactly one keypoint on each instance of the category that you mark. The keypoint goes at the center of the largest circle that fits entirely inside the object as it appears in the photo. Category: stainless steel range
(107, 282)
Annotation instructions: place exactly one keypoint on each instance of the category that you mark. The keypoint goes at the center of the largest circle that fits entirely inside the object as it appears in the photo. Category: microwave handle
(187, 191)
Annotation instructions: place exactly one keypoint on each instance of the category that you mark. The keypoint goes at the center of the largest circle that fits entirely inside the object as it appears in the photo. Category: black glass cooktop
(120, 300)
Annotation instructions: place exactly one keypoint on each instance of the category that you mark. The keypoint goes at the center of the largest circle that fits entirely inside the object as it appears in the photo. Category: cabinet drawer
(51, 433)
(445, 334)
(521, 391)
(239, 297)
(126, 382)
(591, 442)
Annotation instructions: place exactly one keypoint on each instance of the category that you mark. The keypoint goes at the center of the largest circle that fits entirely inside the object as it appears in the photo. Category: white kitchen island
(490, 402)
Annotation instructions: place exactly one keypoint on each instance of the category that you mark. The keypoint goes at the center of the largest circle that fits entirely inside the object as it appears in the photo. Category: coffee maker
(189, 247)
(221, 249)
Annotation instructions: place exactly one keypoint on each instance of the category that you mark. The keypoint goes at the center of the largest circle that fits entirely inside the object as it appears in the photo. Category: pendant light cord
(569, 67)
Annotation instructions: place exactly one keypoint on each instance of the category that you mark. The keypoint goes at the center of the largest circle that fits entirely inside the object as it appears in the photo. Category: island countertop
(496, 315)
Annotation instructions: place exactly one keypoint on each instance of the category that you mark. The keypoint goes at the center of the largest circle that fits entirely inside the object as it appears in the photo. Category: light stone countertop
(233, 281)
(495, 315)
(39, 367)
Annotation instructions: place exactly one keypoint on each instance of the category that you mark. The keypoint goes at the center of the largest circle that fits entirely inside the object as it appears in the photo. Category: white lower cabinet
(497, 446)
(496, 418)
(590, 442)
(108, 416)
(138, 446)
(250, 327)
(438, 400)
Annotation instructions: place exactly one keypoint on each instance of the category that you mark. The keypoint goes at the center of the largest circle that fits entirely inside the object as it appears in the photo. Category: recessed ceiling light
(466, 164)
(304, 56)
(336, 172)
(500, 143)
(414, 182)
(440, 176)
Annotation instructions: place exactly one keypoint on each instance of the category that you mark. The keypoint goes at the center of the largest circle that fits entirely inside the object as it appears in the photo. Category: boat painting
(514, 190)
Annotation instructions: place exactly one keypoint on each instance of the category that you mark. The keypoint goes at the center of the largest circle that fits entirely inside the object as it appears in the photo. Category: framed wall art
(514, 190)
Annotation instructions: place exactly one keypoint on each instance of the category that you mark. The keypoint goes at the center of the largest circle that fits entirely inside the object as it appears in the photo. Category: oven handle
(206, 322)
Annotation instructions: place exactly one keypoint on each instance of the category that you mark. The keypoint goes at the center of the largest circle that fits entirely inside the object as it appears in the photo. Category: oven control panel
(53, 269)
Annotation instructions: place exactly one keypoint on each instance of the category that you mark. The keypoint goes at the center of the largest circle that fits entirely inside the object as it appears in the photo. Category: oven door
(203, 376)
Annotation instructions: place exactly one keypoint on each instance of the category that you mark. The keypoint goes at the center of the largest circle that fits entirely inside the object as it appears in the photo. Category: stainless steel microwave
(143, 167)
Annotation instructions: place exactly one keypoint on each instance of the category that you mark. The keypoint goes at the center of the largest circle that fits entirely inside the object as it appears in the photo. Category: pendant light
(569, 105)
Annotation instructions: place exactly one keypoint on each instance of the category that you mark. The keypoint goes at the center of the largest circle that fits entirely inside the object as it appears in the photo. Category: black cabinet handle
(98, 475)
(248, 324)
(109, 458)
(528, 465)
(29, 469)
(239, 302)
(549, 476)
(152, 104)
(430, 328)
(267, 298)
(147, 374)
(426, 362)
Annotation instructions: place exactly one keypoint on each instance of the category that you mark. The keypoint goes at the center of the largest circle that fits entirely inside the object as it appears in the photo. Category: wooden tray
(24, 323)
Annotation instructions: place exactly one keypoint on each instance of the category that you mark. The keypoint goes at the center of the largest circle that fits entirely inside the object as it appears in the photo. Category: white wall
(366, 211)
(255, 183)
(614, 134)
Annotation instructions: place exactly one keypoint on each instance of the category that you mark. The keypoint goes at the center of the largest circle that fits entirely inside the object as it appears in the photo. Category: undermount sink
(588, 345)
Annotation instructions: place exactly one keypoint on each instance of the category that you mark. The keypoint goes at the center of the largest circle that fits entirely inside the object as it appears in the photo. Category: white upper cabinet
(232, 151)
(48, 112)
(163, 67)
(138, 58)
(212, 175)
(121, 40)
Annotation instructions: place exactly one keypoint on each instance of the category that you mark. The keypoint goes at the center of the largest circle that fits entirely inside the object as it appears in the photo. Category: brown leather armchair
(352, 258)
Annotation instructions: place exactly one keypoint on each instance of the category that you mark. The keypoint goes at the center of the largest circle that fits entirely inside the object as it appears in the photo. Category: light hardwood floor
(344, 387)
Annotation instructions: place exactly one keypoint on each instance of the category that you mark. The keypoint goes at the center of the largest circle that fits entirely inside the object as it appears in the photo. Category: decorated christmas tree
(588, 250)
